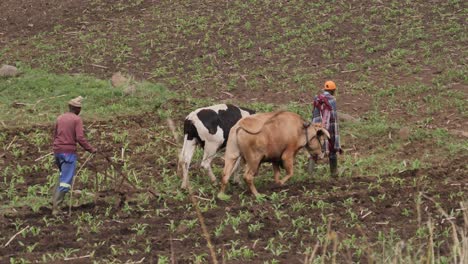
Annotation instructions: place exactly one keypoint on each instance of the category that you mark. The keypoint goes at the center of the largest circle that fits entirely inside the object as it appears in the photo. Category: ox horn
(323, 131)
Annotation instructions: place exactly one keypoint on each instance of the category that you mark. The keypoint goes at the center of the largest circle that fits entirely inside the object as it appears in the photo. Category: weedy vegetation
(399, 66)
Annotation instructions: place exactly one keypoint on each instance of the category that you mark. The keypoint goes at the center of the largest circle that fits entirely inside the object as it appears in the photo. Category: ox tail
(186, 153)
(181, 156)
(185, 157)
(232, 154)
(187, 145)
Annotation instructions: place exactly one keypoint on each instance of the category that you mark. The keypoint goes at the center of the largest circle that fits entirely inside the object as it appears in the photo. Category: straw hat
(76, 102)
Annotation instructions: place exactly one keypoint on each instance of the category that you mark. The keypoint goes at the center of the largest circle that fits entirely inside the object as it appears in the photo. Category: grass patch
(38, 96)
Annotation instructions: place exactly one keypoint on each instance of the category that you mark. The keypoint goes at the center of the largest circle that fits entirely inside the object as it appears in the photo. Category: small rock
(8, 71)
(347, 118)
(404, 133)
(118, 79)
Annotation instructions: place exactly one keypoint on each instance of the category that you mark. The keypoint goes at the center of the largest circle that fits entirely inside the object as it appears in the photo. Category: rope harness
(307, 146)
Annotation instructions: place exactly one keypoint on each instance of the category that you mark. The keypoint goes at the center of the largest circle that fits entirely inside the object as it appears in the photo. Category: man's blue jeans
(67, 164)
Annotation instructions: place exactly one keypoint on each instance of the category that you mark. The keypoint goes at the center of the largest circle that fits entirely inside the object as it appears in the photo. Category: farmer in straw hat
(68, 131)
(325, 113)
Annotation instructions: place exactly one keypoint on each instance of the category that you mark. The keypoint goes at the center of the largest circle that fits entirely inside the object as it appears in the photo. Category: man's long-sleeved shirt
(328, 119)
(68, 132)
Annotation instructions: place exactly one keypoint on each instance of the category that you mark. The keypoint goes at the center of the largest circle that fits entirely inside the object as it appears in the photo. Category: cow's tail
(232, 153)
(181, 156)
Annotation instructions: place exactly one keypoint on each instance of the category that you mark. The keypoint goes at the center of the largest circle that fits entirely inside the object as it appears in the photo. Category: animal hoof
(223, 197)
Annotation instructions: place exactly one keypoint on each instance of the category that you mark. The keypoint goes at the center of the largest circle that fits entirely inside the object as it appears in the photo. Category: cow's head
(316, 136)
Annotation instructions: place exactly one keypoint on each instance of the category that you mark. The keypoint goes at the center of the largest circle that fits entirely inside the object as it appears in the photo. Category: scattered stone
(118, 80)
(131, 89)
(347, 118)
(8, 71)
(404, 133)
(18, 104)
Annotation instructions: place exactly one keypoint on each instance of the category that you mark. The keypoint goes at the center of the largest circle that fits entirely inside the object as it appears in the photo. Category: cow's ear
(306, 124)
(323, 132)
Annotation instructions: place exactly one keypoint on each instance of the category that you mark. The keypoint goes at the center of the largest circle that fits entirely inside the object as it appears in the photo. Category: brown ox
(269, 137)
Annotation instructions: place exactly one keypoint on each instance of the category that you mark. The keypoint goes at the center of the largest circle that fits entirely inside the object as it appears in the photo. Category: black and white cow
(208, 127)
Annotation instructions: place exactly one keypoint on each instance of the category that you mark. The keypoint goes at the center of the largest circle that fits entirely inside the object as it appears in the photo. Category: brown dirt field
(385, 209)
(24, 20)
(373, 217)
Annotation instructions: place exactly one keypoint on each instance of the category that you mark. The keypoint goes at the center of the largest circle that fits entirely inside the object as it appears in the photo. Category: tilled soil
(361, 207)
(360, 210)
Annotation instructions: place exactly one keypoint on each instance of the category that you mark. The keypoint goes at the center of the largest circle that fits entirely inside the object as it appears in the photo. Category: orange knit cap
(329, 86)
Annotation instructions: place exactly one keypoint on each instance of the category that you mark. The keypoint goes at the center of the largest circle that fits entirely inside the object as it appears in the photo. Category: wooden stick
(170, 142)
(172, 250)
(364, 216)
(82, 257)
(48, 154)
(13, 140)
(140, 261)
(349, 71)
(99, 66)
(309, 259)
(202, 198)
(73, 183)
(15, 235)
(91, 125)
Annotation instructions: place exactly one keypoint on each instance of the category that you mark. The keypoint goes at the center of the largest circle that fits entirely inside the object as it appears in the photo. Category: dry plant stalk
(13, 140)
(15, 235)
(310, 259)
(172, 249)
(81, 257)
(368, 249)
(193, 199)
(464, 234)
(430, 249)
(331, 236)
(42, 157)
(172, 127)
(201, 219)
(334, 238)
(418, 208)
(459, 250)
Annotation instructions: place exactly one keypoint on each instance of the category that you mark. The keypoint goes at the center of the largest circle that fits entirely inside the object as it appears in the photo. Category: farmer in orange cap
(68, 131)
(325, 113)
